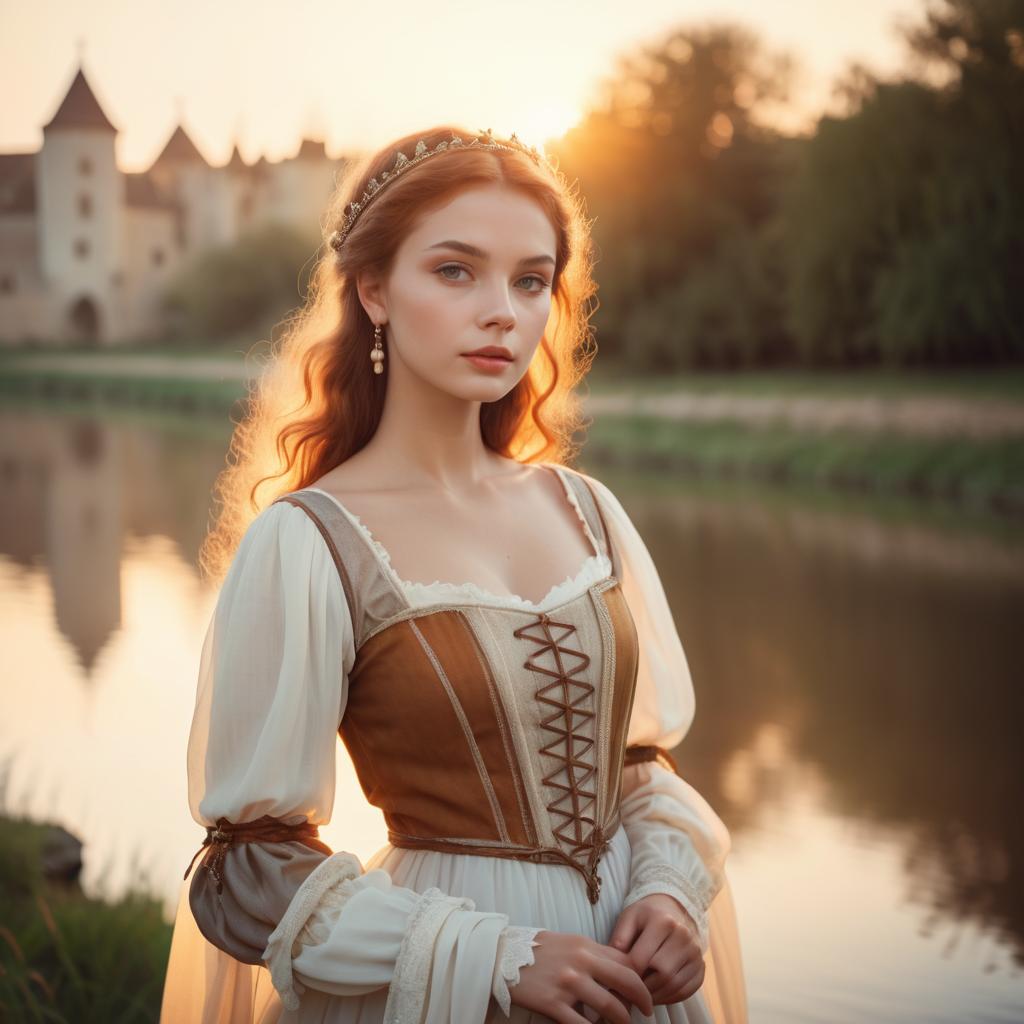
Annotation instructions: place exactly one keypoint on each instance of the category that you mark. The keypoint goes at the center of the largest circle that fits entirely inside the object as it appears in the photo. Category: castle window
(81, 248)
(85, 166)
(85, 205)
(158, 257)
(7, 284)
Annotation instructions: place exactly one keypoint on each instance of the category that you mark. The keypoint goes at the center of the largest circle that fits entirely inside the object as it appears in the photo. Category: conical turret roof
(180, 149)
(80, 108)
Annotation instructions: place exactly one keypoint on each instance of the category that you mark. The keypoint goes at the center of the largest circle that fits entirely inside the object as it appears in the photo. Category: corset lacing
(551, 636)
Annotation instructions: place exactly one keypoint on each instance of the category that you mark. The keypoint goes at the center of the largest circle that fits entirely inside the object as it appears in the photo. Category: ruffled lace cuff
(285, 942)
(515, 950)
(695, 898)
(412, 969)
(348, 932)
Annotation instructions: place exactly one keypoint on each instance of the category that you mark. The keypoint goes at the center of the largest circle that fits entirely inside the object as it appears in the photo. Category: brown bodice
(482, 728)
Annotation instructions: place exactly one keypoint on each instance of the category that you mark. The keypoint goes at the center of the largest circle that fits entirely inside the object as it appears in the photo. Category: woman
(512, 718)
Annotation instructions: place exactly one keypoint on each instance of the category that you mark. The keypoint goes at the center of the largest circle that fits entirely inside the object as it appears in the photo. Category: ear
(372, 295)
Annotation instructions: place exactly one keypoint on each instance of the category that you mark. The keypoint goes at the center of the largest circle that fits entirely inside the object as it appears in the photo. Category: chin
(485, 391)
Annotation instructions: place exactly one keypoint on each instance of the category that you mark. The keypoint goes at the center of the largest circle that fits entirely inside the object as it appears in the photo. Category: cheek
(537, 317)
(427, 309)
(539, 313)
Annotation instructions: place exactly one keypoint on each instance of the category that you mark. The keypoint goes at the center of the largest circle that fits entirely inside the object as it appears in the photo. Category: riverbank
(64, 956)
(975, 475)
(939, 437)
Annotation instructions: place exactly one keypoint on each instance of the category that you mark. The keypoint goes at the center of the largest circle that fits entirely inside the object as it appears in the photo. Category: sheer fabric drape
(272, 689)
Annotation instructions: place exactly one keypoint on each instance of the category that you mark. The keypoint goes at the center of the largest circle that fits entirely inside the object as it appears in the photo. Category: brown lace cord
(650, 752)
(595, 842)
(266, 829)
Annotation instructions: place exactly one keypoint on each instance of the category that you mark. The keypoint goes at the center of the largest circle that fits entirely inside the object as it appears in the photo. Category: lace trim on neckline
(594, 568)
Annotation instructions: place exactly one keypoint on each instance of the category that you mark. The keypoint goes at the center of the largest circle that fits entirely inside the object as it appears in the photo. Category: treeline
(241, 290)
(892, 235)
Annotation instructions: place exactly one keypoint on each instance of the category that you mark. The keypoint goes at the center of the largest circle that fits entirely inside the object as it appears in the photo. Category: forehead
(492, 217)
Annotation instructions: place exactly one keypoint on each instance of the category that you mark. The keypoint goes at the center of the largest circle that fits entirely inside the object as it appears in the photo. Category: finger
(586, 1012)
(670, 991)
(673, 955)
(602, 1001)
(622, 998)
(624, 980)
(695, 982)
(626, 930)
(611, 953)
(565, 1014)
(647, 944)
(685, 983)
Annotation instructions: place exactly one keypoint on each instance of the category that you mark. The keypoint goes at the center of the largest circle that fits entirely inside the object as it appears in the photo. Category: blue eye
(541, 282)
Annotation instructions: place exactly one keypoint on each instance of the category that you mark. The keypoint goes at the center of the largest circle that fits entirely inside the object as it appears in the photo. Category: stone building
(87, 249)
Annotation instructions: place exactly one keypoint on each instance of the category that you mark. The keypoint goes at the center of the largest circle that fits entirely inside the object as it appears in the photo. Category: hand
(661, 940)
(568, 970)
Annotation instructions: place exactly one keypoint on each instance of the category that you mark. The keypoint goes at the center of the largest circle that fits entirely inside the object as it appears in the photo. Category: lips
(491, 351)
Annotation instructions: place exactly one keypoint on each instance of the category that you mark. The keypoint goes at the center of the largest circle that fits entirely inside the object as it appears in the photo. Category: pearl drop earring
(377, 352)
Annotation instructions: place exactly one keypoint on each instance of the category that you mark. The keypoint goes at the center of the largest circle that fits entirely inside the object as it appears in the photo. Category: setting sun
(552, 122)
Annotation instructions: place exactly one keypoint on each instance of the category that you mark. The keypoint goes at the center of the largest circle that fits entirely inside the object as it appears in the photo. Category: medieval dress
(520, 753)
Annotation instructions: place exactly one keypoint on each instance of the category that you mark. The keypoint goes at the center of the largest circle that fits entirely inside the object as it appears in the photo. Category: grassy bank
(65, 957)
(98, 391)
(998, 382)
(982, 474)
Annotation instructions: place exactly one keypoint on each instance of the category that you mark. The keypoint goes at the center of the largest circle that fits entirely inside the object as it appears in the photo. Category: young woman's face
(474, 272)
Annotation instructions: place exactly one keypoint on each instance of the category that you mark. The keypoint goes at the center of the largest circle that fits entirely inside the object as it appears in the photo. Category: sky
(356, 75)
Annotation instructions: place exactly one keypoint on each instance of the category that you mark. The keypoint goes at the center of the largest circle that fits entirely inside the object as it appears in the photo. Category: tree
(905, 223)
(241, 288)
(682, 177)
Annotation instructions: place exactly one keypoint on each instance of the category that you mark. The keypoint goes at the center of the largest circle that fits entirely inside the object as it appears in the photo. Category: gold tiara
(484, 140)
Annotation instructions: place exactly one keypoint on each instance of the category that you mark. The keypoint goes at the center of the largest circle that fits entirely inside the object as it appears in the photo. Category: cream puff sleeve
(271, 694)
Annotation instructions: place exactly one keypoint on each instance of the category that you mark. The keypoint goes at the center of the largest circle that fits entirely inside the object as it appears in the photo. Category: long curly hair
(318, 401)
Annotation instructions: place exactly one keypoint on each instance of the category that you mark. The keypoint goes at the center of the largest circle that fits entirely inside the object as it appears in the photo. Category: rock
(61, 855)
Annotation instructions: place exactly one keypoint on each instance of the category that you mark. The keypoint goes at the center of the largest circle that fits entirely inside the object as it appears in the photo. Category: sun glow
(551, 122)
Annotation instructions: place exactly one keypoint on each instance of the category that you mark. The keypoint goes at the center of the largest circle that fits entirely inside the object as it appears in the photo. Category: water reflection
(856, 708)
(886, 657)
(859, 678)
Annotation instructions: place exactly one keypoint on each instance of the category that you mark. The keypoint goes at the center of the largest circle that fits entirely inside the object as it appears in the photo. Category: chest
(521, 712)
(521, 545)
(488, 723)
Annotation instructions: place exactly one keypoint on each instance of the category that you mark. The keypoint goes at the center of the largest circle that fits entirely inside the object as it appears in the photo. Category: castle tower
(183, 172)
(80, 195)
(302, 186)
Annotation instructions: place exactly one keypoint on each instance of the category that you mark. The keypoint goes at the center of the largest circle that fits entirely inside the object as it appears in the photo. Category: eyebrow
(472, 250)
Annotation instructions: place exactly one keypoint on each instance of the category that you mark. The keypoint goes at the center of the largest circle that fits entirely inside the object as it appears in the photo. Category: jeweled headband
(484, 140)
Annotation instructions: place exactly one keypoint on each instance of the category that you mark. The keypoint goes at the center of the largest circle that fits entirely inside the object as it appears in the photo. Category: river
(857, 728)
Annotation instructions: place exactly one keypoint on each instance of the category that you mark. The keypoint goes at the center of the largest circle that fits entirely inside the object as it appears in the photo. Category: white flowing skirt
(206, 986)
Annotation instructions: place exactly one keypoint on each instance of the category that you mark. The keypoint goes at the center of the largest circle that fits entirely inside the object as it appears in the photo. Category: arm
(679, 844)
(272, 692)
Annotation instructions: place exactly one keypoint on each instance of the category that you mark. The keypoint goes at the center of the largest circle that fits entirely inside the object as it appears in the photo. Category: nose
(500, 310)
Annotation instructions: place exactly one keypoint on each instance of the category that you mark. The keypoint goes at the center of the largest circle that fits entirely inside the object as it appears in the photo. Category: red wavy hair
(318, 400)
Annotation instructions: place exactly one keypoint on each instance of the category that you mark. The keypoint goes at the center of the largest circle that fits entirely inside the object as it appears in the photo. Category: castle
(87, 250)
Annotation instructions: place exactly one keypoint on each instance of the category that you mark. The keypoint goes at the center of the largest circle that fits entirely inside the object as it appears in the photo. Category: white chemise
(422, 936)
